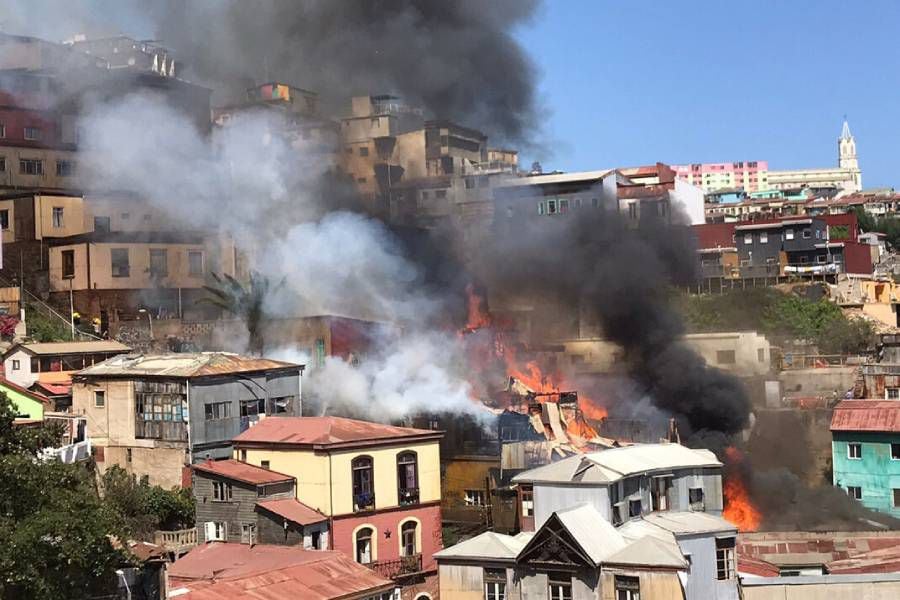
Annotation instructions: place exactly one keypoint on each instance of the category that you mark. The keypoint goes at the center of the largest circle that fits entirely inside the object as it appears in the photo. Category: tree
(247, 303)
(144, 508)
(55, 532)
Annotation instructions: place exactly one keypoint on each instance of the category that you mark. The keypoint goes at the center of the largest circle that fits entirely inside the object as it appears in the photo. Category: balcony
(408, 496)
(363, 502)
(397, 568)
(177, 542)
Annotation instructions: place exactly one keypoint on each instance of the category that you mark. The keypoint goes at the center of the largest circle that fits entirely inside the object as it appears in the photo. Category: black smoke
(596, 264)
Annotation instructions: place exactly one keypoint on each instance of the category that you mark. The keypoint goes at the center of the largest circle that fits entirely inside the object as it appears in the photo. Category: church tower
(847, 156)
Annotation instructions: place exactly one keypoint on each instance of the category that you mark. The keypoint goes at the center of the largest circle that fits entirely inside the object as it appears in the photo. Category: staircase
(36, 304)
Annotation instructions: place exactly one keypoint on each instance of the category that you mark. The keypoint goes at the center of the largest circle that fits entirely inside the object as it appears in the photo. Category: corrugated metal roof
(194, 364)
(488, 545)
(44, 348)
(613, 464)
(683, 523)
(650, 551)
(596, 536)
(293, 510)
(241, 471)
(326, 431)
(229, 571)
(556, 178)
(867, 415)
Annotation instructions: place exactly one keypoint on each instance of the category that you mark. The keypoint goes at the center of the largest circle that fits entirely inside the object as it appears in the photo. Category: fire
(738, 507)
(478, 315)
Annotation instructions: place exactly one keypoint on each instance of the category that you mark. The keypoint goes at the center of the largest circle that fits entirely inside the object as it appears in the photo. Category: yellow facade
(69, 222)
(325, 480)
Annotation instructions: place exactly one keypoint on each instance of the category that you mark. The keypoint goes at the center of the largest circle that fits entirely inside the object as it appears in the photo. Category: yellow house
(379, 484)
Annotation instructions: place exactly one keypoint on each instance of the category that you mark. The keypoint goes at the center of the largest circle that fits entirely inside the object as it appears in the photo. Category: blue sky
(626, 83)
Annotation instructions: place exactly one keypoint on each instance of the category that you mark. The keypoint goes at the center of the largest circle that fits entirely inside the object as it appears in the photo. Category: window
(725, 558)
(215, 530)
(659, 493)
(634, 508)
(248, 533)
(2, 164)
(560, 586)
(763, 237)
(68, 264)
(315, 540)
(15, 365)
(99, 399)
(243, 455)
(895, 450)
(58, 217)
(788, 234)
(101, 224)
(221, 491)
(695, 497)
(363, 151)
(217, 410)
(474, 497)
(632, 211)
(119, 260)
(527, 503)
(2, 130)
(440, 193)
(470, 183)
(252, 408)
(627, 588)
(761, 355)
(821, 258)
(892, 393)
(407, 478)
(195, 263)
(551, 207)
(408, 545)
(807, 234)
(364, 545)
(854, 451)
(4, 219)
(128, 455)
(65, 168)
(363, 488)
(495, 584)
(264, 464)
(360, 180)
(748, 238)
(159, 262)
(563, 207)
(855, 492)
(32, 134)
(896, 498)
(540, 208)
(725, 357)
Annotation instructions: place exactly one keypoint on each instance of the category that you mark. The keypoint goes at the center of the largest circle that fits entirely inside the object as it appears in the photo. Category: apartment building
(750, 176)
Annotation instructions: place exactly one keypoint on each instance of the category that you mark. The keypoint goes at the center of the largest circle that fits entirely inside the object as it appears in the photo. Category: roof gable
(554, 547)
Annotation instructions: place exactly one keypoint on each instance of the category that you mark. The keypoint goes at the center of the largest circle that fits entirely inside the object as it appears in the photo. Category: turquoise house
(865, 452)
(28, 405)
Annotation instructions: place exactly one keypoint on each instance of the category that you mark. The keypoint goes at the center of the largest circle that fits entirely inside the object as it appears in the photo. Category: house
(379, 485)
(50, 365)
(240, 502)
(575, 555)
(154, 414)
(657, 490)
(865, 452)
(27, 404)
(224, 571)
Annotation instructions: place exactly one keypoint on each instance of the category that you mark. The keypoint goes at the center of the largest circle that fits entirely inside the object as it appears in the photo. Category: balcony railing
(397, 568)
(177, 542)
(364, 501)
(408, 496)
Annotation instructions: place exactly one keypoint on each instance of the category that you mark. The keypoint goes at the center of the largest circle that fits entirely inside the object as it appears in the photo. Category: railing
(70, 453)
(178, 542)
(392, 569)
(811, 361)
(408, 496)
(881, 369)
(364, 501)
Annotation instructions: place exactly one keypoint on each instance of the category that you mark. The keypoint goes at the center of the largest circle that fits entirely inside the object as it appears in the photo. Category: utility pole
(71, 309)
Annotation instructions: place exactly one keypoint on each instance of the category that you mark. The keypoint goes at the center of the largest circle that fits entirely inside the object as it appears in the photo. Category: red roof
(328, 431)
(241, 471)
(756, 566)
(223, 571)
(293, 510)
(764, 553)
(55, 389)
(867, 415)
(714, 235)
(6, 383)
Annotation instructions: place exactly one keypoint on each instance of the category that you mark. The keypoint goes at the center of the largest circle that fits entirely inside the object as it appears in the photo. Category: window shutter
(210, 530)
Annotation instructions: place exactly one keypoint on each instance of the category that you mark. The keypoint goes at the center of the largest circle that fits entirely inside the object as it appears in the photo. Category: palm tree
(247, 303)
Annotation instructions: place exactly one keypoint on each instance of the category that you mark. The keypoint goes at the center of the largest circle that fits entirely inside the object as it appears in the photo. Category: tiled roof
(229, 571)
(292, 510)
(328, 431)
(241, 471)
(195, 364)
(867, 415)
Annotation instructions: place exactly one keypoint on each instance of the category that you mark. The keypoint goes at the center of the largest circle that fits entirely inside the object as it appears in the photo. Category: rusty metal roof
(241, 471)
(292, 510)
(183, 365)
(228, 571)
(867, 415)
(328, 432)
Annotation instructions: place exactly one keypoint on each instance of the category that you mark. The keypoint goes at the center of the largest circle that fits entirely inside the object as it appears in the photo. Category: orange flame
(739, 510)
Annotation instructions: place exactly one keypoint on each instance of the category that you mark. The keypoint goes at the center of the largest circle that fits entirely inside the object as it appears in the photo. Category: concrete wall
(876, 472)
(752, 351)
(824, 381)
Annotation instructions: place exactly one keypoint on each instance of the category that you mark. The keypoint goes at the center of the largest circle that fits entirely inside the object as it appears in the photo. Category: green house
(28, 404)
(865, 452)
